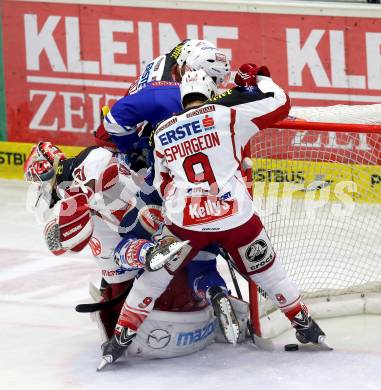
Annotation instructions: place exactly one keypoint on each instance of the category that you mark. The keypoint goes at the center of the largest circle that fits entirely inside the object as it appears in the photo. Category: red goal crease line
(326, 126)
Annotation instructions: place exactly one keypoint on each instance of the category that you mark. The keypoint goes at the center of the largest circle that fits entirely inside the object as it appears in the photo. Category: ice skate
(162, 253)
(224, 312)
(114, 348)
(308, 331)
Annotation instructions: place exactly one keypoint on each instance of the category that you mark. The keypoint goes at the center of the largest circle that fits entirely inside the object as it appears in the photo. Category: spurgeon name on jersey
(206, 137)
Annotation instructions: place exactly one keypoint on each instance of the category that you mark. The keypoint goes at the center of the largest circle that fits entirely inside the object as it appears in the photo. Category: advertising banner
(3, 126)
(63, 62)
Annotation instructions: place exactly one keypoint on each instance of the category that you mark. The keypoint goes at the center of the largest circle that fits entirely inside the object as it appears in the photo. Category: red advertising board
(64, 61)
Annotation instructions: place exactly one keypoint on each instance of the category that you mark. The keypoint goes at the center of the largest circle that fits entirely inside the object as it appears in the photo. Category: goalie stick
(260, 342)
(92, 307)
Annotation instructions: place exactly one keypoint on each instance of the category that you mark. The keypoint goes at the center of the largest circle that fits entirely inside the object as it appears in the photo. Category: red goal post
(317, 188)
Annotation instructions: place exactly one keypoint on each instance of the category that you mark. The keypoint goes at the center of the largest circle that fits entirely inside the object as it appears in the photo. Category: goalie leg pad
(107, 319)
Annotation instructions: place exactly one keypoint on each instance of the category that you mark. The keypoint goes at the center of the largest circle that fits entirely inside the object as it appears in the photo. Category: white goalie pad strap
(170, 334)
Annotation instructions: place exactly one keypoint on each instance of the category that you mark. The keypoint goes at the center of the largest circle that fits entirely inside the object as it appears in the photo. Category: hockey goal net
(317, 187)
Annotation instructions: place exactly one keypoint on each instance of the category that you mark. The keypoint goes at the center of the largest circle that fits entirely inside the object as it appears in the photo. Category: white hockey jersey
(111, 195)
(199, 153)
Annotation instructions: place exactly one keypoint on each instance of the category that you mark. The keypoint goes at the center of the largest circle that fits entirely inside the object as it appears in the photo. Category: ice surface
(45, 344)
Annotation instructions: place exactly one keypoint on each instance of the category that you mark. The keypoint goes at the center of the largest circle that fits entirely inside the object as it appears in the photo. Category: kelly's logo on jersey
(207, 209)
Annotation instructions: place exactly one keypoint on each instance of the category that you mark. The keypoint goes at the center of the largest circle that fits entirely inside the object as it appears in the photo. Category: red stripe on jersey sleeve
(267, 120)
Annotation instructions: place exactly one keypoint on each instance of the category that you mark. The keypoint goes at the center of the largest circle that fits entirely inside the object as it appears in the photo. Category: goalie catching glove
(73, 227)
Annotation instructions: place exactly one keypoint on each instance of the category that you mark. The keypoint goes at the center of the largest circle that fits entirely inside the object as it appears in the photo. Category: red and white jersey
(111, 192)
(114, 185)
(199, 153)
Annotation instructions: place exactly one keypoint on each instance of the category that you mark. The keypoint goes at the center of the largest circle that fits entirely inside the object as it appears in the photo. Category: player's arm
(123, 120)
(257, 102)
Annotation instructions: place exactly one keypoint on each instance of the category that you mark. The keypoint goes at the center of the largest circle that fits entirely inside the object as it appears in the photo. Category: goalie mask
(212, 61)
(198, 82)
(39, 166)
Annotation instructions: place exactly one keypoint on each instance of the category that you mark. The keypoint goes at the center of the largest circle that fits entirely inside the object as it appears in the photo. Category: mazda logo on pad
(158, 339)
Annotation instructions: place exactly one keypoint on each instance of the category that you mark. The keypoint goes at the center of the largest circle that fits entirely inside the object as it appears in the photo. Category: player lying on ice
(198, 172)
(84, 199)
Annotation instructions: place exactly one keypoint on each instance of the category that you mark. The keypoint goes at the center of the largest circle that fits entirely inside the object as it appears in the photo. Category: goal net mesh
(318, 193)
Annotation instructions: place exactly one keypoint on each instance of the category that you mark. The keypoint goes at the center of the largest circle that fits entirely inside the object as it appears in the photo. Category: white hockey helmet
(198, 82)
(212, 60)
(189, 46)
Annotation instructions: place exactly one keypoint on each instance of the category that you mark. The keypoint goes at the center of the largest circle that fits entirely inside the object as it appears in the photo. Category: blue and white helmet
(212, 60)
(189, 46)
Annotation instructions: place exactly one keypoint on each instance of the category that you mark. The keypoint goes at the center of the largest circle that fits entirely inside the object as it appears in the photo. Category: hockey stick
(260, 342)
(92, 307)
(226, 257)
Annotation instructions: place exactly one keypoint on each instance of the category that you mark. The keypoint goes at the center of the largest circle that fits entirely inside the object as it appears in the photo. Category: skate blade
(321, 345)
(160, 260)
(230, 327)
(106, 360)
(322, 342)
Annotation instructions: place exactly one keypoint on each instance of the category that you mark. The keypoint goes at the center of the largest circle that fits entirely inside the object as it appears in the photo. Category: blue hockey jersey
(159, 100)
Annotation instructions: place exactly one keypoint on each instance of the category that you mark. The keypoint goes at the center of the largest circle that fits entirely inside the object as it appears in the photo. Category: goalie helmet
(188, 47)
(39, 166)
(198, 82)
(212, 61)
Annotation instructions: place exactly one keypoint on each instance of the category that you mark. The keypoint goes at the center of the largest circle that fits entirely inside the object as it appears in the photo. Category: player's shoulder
(238, 95)
(99, 153)
(185, 115)
(166, 123)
